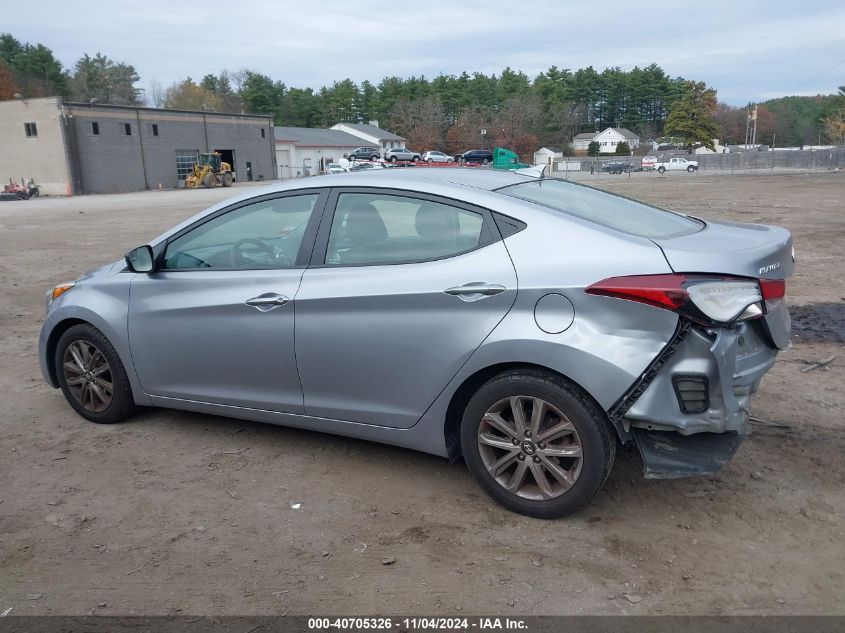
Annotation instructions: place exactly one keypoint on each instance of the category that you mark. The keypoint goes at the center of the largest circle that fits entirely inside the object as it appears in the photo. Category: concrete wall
(42, 157)
(112, 161)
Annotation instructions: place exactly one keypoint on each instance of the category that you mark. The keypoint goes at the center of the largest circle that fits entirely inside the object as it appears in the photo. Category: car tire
(661, 170)
(582, 427)
(485, 162)
(415, 159)
(374, 157)
(92, 400)
(690, 169)
(450, 160)
(429, 160)
(392, 159)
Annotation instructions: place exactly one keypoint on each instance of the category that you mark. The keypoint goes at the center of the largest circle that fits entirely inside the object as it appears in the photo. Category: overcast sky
(749, 50)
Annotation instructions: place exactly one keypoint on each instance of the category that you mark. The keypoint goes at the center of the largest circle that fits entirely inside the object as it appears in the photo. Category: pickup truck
(676, 164)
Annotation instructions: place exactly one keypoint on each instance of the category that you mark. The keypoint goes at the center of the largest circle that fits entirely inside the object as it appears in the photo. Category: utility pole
(747, 127)
(754, 119)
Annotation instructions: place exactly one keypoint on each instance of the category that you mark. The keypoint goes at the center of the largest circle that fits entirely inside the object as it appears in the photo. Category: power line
(808, 82)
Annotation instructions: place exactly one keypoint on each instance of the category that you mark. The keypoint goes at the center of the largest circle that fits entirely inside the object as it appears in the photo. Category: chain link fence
(783, 160)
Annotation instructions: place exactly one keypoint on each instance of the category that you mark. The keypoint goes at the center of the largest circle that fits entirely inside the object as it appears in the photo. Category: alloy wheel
(88, 375)
(530, 448)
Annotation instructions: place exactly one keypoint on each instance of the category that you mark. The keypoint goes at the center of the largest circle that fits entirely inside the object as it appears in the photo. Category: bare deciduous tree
(422, 122)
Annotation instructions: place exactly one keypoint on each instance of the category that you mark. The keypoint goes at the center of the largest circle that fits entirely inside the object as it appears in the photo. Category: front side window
(262, 235)
(389, 229)
(615, 212)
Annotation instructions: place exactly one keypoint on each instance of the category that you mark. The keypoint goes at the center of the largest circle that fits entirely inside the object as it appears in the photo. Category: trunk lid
(745, 250)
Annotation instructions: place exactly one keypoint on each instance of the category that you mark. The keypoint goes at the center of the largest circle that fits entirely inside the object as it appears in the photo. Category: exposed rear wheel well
(53, 341)
(455, 410)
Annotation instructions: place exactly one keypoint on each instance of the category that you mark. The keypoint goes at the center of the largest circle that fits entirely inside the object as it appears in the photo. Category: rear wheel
(374, 157)
(415, 159)
(209, 181)
(536, 444)
(690, 169)
(485, 162)
(661, 170)
(91, 375)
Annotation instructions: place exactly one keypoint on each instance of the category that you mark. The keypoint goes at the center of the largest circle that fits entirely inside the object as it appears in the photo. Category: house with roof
(581, 142)
(546, 155)
(607, 139)
(371, 134)
(306, 151)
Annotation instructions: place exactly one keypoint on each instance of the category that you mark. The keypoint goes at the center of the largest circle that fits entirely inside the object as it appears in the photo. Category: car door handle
(475, 290)
(267, 301)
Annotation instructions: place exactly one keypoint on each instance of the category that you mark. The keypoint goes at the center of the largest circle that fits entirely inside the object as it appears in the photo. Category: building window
(155, 129)
(127, 127)
(30, 129)
(262, 132)
(95, 128)
(185, 161)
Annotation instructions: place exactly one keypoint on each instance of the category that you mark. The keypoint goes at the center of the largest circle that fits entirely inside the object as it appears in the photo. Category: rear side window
(388, 229)
(615, 212)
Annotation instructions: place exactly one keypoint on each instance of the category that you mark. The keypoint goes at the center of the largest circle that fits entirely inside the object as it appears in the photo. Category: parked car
(364, 153)
(438, 310)
(335, 168)
(648, 163)
(677, 164)
(437, 157)
(401, 153)
(616, 167)
(483, 156)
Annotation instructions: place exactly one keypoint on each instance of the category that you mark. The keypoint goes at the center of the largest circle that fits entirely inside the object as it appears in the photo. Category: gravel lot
(185, 513)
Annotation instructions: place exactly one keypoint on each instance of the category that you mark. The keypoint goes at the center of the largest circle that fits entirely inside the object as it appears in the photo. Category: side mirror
(140, 260)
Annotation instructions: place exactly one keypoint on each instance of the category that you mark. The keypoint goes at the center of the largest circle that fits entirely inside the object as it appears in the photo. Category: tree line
(447, 111)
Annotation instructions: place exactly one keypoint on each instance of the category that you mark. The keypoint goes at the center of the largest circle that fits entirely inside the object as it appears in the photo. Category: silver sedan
(524, 324)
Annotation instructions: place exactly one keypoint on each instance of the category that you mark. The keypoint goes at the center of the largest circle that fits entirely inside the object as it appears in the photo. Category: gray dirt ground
(184, 513)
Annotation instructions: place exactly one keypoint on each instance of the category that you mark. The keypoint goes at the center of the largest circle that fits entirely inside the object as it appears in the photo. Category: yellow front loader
(209, 172)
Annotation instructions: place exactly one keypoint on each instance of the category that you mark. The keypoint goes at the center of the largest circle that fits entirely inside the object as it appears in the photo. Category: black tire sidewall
(122, 401)
(597, 442)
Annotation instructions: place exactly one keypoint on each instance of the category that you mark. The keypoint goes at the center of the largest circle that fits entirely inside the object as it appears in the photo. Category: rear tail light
(773, 288)
(705, 299)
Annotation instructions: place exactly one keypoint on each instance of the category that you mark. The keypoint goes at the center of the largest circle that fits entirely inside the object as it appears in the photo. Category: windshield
(615, 212)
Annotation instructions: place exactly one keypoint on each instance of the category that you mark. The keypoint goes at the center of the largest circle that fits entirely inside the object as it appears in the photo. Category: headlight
(57, 292)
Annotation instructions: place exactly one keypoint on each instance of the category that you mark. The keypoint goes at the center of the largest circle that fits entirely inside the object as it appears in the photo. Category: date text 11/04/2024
(417, 624)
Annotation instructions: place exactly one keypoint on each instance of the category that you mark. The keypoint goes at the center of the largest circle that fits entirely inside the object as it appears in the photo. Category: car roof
(413, 177)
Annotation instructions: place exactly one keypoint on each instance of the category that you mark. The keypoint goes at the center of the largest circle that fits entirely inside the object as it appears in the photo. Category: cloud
(746, 50)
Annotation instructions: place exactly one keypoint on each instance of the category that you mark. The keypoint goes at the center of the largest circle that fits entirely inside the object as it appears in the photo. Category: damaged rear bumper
(691, 413)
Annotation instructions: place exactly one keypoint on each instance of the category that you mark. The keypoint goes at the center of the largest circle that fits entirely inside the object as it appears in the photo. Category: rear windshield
(615, 212)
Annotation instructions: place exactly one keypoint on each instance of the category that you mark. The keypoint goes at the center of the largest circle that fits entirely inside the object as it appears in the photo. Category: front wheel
(485, 162)
(536, 444)
(690, 169)
(661, 170)
(91, 375)
(415, 159)
(392, 159)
